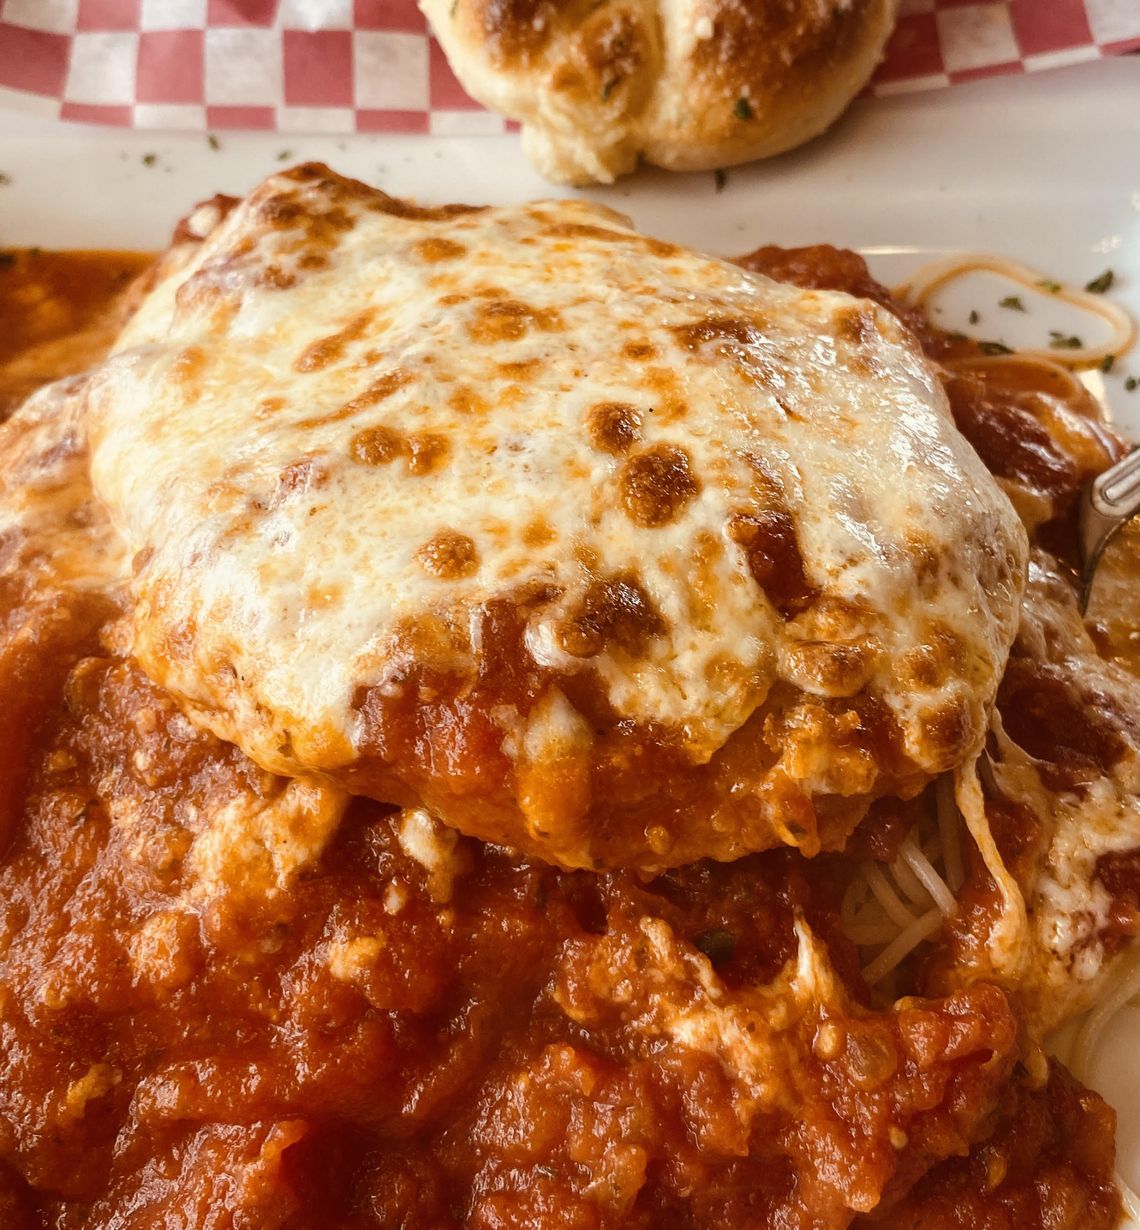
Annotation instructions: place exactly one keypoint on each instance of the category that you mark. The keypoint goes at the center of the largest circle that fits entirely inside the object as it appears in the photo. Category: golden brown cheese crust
(688, 84)
(598, 547)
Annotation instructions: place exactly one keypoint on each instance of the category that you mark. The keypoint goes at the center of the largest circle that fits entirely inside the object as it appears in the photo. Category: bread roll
(684, 84)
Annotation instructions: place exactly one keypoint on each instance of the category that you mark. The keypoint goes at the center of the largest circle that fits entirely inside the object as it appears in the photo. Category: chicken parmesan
(314, 912)
(601, 549)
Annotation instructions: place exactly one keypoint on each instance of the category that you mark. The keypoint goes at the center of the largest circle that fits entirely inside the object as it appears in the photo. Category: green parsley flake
(994, 348)
(1049, 285)
(1107, 362)
(1099, 285)
(285, 155)
(718, 944)
(1013, 302)
(1131, 383)
(743, 109)
(1062, 341)
(148, 160)
(720, 178)
(975, 316)
(213, 141)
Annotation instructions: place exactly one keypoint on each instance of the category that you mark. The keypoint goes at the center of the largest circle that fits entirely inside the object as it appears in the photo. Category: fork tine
(1107, 503)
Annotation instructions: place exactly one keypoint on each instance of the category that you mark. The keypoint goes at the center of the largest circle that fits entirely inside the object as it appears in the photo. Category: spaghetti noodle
(919, 288)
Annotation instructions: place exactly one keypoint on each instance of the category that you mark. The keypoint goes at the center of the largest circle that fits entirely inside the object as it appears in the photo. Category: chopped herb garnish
(4, 179)
(1013, 302)
(1049, 285)
(1063, 341)
(7, 260)
(1099, 285)
(720, 178)
(148, 160)
(718, 944)
(1131, 383)
(285, 155)
(743, 109)
(975, 316)
(454, 6)
(213, 141)
(1107, 362)
(994, 348)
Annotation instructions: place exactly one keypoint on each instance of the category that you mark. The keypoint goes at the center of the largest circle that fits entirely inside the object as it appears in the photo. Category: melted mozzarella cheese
(347, 417)
(1067, 908)
(52, 530)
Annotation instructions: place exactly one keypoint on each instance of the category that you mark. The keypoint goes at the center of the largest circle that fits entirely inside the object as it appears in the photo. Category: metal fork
(1110, 501)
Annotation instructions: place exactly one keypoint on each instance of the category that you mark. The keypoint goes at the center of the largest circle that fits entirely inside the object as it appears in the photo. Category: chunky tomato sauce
(59, 312)
(384, 1025)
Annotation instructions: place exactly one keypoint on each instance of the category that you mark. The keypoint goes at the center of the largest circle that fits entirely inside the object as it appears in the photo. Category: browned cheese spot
(508, 320)
(659, 247)
(614, 611)
(614, 427)
(320, 229)
(465, 400)
(381, 203)
(657, 484)
(949, 731)
(582, 230)
(768, 539)
(855, 327)
(187, 368)
(269, 406)
(279, 211)
(834, 670)
(275, 278)
(330, 349)
(377, 446)
(436, 249)
(925, 558)
(382, 387)
(298, 476)
(639, 351)
(741, 341)
(524, 369)
(427, 451)
(336, 219)
(448, 555)
(938, 654)
(538, 533)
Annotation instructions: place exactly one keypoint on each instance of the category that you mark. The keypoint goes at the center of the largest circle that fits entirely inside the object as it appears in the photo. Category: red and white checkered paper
(371, 65)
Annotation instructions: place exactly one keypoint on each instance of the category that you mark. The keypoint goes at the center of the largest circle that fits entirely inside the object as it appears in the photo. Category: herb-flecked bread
(684, 84)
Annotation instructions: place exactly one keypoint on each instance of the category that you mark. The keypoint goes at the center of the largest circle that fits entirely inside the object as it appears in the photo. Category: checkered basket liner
(371, 65)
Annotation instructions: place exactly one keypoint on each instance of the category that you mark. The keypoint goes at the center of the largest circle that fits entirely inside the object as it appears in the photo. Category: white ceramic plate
(1040, 168)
